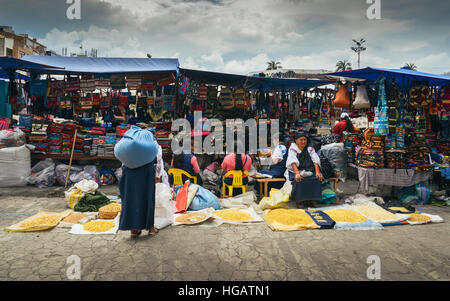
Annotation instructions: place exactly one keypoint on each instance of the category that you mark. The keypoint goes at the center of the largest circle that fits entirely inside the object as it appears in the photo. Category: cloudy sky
(240, 36)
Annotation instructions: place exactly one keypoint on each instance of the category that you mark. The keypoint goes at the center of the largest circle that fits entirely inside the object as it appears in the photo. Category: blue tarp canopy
(403, 77)
(7, 62)
(85, 65)
(251, 82)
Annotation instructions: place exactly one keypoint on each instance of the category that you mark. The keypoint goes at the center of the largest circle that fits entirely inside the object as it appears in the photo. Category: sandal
(135, 233)
(153, 231)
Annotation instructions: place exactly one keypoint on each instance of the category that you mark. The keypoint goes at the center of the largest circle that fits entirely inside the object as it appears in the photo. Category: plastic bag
(277, 198)
(61, 173)
(181, 198)
(137, 148)
(12, 138)
(246, 199)
(164, 211)
(337, 155)
(89, 172)
(43, 174)
(75, 193)
(118, 173)
(414, 195)
(204, 199)
(15, 166)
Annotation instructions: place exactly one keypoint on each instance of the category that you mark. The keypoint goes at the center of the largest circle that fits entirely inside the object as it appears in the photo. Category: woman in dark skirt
(303, 169)
(137, 189)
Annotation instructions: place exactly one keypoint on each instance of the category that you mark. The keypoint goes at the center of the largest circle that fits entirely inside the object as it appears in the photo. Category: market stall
(404, 117)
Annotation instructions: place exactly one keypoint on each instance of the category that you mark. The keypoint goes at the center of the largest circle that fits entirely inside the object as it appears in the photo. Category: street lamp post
(358, 49)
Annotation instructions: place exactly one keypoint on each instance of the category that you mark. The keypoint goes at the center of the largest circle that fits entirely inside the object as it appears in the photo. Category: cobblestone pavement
(227, 252)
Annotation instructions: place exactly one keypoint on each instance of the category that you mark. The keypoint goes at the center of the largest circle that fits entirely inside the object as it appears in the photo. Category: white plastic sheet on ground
(209, 212)
(400, 217)
(434, 219)
(367, 225)
(78, 228)
(248, 210)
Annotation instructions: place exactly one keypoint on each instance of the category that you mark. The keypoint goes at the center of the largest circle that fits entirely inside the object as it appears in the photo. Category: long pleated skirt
(137, 190)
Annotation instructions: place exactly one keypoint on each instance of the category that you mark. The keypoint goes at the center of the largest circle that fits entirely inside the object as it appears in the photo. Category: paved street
(227, 252)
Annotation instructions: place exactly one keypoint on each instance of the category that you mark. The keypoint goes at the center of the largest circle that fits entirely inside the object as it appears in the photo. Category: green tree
(411, 66)
(272, 65)
(343, 66)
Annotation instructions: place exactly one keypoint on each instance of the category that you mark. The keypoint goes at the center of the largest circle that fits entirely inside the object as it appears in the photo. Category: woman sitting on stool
(303, 170)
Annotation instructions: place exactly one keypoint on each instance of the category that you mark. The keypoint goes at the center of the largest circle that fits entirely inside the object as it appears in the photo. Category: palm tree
(343, 66)
(410, 66)
(359, 48)
(272, 65)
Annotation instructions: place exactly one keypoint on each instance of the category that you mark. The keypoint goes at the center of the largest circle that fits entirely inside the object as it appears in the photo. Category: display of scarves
(381, 122)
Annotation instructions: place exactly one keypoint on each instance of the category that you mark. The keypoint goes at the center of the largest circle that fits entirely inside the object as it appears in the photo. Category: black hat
(299, 135)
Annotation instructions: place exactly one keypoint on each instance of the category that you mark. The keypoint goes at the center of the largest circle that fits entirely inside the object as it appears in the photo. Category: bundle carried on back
(137, 148)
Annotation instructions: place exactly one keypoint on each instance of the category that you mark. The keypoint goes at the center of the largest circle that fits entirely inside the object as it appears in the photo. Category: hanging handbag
(381, 122)
(420, 95)
(443, 96)
(87, 83)
(86, 103)
(72, 84)
(105, 102)
(123, 101)
(362, 99)
(342, 99)
(133, 81)
(226, 98)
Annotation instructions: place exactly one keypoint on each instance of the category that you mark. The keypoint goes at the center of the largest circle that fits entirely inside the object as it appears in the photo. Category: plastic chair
(237, 182)
(177, 175)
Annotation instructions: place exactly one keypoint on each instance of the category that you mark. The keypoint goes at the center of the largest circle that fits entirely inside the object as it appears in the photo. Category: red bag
(181, 198)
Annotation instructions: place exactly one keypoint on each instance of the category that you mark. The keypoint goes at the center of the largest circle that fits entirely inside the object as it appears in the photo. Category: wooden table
(266, 181)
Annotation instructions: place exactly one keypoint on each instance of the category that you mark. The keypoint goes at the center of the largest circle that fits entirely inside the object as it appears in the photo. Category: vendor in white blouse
(303, 170)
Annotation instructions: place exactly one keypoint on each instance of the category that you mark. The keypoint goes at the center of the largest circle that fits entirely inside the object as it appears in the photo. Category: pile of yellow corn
(289, 217)
(376, 213)
(416, 218)
(401, 209)
(234, 215)
(109, 211)
(47, 220)
(345, 216)
(74, 218)
(98, 226)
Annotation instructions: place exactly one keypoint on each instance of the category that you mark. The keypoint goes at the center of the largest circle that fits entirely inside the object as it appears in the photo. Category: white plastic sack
(15, 166)
(164, 210)
(245, 199)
